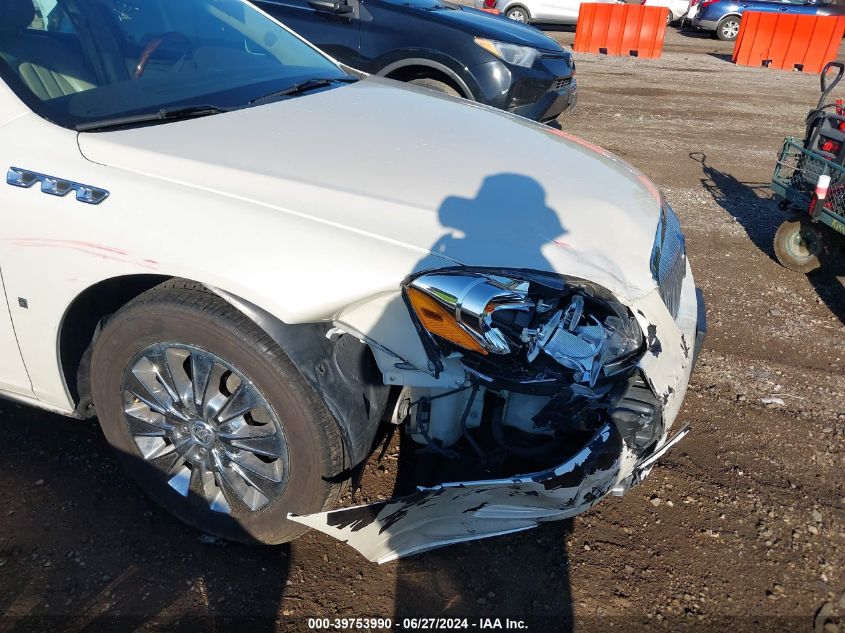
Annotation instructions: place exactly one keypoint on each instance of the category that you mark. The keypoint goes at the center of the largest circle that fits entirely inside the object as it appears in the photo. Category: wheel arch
(421, 67)
(340, 368)
(80, 324)
(517, 5)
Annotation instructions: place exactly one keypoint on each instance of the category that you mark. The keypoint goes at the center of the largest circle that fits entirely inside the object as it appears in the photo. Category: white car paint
(692, 11)
(324, 215)
(315, 209)
(678, 8)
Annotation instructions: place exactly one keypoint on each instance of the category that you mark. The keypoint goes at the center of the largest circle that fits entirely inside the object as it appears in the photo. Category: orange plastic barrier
(620, 29)
(791, 42)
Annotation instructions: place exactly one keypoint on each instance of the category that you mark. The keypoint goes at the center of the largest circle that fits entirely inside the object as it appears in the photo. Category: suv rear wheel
(728, 28)
(518, 14)
(211, 418)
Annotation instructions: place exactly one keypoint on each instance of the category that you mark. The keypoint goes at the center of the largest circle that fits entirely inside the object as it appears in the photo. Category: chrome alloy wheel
(730, 29)
(518, 15)
(203, 423)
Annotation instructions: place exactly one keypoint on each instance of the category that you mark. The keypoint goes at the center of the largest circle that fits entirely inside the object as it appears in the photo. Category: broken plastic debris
(586, 349)
(577, 350)
(572, 314)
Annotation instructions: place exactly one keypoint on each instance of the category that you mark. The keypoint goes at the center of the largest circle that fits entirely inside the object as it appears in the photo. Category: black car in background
(455, 49)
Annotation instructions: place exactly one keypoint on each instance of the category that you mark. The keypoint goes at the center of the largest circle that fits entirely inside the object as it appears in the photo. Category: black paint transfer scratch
(355, 518)
(652, 342)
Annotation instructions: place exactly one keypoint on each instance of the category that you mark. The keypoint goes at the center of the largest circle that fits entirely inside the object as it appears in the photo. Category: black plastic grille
(669, 259)
(560, 83)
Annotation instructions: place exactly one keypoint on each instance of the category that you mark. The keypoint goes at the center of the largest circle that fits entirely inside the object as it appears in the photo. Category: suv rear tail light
(489, 4)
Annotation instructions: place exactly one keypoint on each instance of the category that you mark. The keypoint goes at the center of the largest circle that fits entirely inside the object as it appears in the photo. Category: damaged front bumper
(459, 512)
(618, 455)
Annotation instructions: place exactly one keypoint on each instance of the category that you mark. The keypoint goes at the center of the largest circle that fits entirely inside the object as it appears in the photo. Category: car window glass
(135, 25)
(77, 61)
(50, 17)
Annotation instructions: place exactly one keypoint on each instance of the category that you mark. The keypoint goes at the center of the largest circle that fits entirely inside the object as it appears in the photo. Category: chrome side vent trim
(17, 177)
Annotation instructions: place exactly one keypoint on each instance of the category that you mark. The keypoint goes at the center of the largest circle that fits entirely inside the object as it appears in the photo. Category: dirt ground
(741, 527)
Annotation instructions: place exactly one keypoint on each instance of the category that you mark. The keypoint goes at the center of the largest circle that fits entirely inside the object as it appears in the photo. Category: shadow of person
(84, 550)
(752, 207)
(747, 202)
(508, 224)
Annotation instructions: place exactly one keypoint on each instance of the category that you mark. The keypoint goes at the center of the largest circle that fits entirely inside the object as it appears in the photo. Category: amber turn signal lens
(438, 320)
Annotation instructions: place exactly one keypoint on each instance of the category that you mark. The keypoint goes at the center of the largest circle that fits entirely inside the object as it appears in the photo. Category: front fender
(435, 60)
(339, 367)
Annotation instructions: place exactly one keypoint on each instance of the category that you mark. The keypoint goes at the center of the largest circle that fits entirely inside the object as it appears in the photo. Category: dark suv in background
(447, 47)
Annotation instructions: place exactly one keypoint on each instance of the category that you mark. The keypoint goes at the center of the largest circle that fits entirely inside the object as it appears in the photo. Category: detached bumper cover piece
(465, 511)
(457, 512)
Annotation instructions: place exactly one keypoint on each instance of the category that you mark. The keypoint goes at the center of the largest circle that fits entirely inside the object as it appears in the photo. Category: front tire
(728, 28)
(800, 245)
(435, 84)
(211, 418)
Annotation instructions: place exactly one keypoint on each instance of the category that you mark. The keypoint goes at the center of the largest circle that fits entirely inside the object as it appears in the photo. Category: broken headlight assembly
(554, 356)
(524, 330)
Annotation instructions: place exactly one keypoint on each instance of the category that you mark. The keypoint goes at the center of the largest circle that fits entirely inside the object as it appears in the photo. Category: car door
(13, 376)
(771, 6)
(332, 26)
(801, 7)
(563, 11)
(827, 7)
(758, 5)
(23, 150)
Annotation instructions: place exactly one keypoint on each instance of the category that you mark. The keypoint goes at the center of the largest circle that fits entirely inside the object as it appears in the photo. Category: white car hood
(465, 183)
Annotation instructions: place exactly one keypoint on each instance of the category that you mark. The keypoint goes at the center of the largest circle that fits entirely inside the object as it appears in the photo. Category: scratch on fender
(97, 250)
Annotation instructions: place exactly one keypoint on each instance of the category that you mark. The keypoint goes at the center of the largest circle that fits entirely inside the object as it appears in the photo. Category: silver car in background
(538, 11)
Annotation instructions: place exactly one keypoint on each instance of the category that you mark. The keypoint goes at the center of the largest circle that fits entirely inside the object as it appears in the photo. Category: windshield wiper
(301, 87)
(176, 114)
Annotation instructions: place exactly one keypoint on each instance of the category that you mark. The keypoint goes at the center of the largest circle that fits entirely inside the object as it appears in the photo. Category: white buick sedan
(245, 259)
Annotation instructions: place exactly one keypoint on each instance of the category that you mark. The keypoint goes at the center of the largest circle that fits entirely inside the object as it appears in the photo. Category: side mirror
(337, 7)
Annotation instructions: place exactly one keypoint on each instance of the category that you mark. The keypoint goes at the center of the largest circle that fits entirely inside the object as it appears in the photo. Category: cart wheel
(799, 245)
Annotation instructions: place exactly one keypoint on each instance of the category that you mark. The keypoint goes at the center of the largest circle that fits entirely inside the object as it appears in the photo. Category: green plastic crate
(796, 173)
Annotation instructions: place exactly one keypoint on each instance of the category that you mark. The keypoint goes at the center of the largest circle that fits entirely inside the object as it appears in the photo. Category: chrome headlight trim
(474, 298)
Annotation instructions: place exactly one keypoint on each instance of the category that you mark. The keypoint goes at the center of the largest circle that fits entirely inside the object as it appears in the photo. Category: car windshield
(79, 62)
